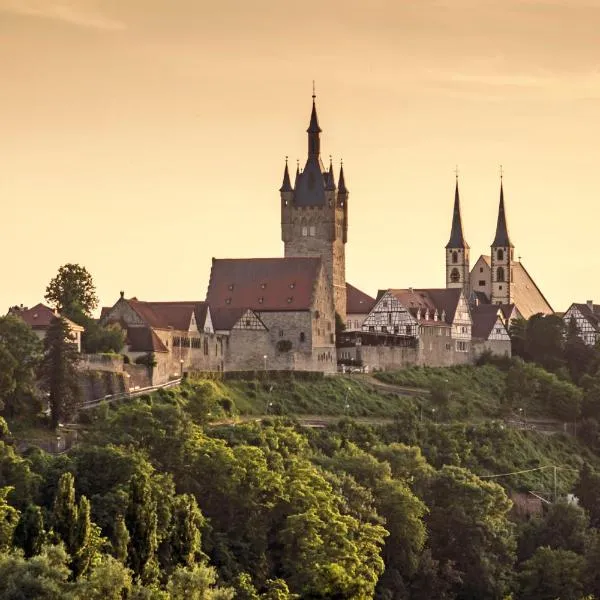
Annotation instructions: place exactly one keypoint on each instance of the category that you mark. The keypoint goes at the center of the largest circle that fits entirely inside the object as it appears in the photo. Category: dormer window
(230, 287)
(263, 286)
(227, 300)
(289, 300)
(292, 285)
(261, 300)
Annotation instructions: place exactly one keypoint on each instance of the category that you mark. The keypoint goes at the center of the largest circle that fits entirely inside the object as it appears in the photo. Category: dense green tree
(185, 546)
(120, 540)
(587, 489)
(468, 526)
(564, 526)
(277, 589)
(550, 574)
(141, 522)
(108, 579)
(64, 518)
(581, 359)
(99, 338)
(72, 291)
(197, 583)
(29, 533)
(16, 472)
(20, 355)
(58, 371)
(9, 517)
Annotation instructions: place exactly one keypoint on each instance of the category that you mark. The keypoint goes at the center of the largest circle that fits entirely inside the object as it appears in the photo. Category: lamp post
(265, 359)
(181, 368)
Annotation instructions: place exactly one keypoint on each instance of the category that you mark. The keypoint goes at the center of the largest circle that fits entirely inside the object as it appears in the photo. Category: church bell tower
(457, 251)
(502, 251)
(314, 214)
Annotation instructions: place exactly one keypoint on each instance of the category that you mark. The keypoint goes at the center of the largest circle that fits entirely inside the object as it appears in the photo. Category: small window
(230, 287)
(227, 300)
(500, 254)
(500, 287)
(302, 336)
(455, 257)
(261, 300)
(312, 231)
(281, 333)
(290, 298)
(263, 286)
(500, 274)
(455, 276)
(304, 231)
(481, 269)
(292, 285)
(482, 283)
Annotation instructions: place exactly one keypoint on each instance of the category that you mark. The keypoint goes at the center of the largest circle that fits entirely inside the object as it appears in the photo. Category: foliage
(59, 376)
(72, 291)
(98, 339)
(148, 360)
(20, 354)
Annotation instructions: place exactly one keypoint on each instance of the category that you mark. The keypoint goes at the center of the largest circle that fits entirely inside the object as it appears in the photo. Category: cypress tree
(29, 533)
(185, 535)
(59, 373)
(83, 551)
(65, 513)
(120, 540)
(141, 522)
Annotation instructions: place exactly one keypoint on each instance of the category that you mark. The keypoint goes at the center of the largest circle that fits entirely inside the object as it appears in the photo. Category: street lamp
(181, 368)
(433, 413)
(265, 359)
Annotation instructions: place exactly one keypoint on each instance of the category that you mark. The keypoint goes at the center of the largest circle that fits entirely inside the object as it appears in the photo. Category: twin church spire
(499, 286)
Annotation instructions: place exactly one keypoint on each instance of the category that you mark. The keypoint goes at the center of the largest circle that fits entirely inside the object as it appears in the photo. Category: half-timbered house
(587, 319)
(490, 333)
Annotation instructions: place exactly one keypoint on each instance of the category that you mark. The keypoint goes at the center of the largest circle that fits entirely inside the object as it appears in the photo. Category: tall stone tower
(502, 259)
(314, 214)
(457, 251)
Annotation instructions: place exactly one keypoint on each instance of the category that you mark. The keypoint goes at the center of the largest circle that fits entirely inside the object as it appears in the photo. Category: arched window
(500, 254)
(455, 257)
(455, 276)
(500, 273)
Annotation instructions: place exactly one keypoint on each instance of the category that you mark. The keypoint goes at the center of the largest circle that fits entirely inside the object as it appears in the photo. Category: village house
(41, 316)
(358, 307)
(587, 319)
(489, 333)
(178, 336)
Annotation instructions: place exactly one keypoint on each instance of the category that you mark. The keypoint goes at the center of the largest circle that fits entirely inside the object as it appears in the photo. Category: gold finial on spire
(456, 172)
(501, 172)
(286, 159)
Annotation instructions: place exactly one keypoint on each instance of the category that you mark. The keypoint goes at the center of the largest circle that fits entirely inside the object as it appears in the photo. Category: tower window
(312, 231)
(500, 254)
(455, 257)
(454, 276)
(500, 274)
(304, 231)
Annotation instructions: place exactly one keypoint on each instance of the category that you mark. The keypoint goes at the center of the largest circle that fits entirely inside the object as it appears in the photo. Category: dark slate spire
(314, 139)
(330, 185)
(457, 237)
(286, 186)
(502, 238)
(342, 189)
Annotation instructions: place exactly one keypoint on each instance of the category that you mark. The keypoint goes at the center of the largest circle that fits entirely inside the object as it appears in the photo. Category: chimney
(590, 305)
(122, 295)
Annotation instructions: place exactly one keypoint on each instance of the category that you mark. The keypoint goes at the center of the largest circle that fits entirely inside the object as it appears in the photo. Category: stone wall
(101, 362)
(137, 376)
(498, 347)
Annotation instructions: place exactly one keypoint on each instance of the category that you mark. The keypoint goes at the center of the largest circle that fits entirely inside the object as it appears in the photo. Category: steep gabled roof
(591, 314)
(357, 302)
(485, 317)
(41, 316)
(144, 339)
(443, 300)
(178, 315)
(263, 284)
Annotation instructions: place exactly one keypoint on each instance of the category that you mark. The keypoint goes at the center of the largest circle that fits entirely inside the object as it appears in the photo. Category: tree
(197, 583)
(64, 512)
(185, 536)
(72, 291)
(29, 534)
(98, 339)
(587, 489)
(468, 526)
(141, 522)
(120, 540)
(9, 516)
(579, 356)
(58, 372)
(20, 354)
(550, 574)
(107, 580)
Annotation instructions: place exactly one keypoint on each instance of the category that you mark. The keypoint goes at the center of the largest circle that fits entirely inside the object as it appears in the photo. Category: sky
(140, 138)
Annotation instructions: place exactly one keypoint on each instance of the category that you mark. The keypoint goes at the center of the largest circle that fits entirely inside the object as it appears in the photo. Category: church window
(455, 257)
(281, 333)
(500, 274)
(482, 282)
(454, 276)
(500, 254)
(312, 231)
(304, 231)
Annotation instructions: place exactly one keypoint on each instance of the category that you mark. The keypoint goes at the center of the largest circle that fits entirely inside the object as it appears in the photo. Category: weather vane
(501, 172)
(314, 93)
(456, 171)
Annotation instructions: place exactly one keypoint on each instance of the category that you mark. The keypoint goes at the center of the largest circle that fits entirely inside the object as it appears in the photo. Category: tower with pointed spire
(314, 213)
(501, 261)
(457, 251)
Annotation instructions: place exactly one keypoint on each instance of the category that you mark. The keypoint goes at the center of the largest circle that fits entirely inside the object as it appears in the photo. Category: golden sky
(142, 137)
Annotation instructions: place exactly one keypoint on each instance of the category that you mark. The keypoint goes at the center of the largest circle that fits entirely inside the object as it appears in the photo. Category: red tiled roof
(178, 315)
(263, 284)
(357, 302)
(484, 318)
(40, 316)
(144, 339)
(223, 319)
(443, 299)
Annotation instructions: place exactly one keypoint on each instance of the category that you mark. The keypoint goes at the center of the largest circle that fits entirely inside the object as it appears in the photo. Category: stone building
(39, 318)
(314, 214)
(358, 307)
(490, 332)
(278, 313)
(179, 335)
